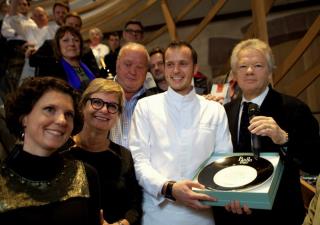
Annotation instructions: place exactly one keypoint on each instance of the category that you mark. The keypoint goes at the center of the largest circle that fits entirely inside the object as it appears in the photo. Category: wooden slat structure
(259, 20)
(180, 16)
(297, 52)
(206, 20)
(118, 23)
(169, 20)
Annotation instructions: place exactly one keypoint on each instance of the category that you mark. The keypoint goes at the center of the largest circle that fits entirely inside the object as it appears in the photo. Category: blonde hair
(256, 44)
(103, 85)
(95, 30)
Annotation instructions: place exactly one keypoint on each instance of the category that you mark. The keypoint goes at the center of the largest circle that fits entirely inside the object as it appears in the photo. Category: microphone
(253, 110)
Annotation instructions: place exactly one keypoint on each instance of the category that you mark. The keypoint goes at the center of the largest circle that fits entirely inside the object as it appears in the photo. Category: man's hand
(235, 207)
(211, 97)
(182, 191)
(267, 126)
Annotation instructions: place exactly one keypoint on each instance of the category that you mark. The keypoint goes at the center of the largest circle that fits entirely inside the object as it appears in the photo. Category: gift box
(239, 176)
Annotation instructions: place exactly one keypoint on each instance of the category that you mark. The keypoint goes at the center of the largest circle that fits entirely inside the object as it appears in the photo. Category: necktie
(244, 141)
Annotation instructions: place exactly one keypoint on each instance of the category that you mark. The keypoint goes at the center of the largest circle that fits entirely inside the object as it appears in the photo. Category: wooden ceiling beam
(297, 52)
(116, 24)
(250, 32)
(92, 6)
(213, 11)
(259, 20)
(304, 81)
(169, 20)
(180, 16)
(100, 18)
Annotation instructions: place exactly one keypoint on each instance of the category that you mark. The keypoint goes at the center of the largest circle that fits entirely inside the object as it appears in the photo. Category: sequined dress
(47, 190)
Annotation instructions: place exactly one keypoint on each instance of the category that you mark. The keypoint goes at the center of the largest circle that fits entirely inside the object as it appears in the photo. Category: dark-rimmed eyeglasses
(98, 104)
(134, 31)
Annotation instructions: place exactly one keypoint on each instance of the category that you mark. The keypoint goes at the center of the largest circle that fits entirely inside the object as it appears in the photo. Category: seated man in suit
(284, 125)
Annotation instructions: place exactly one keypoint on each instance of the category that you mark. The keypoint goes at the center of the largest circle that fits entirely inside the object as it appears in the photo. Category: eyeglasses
(98, 104)
(255, 67)
(134, 31)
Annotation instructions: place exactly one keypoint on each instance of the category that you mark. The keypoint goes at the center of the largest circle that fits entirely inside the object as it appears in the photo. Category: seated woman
(102, 104)
(68, 46)
(37, 184)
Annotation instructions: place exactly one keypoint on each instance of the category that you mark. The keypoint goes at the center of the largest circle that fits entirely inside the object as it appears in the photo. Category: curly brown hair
(21, 102)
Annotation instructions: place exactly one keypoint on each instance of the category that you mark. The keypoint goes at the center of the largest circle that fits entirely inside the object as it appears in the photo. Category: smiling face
(132, 67)
(49, 124)
(179, 69)
(100, 119)
(252, 72)
(70, 46)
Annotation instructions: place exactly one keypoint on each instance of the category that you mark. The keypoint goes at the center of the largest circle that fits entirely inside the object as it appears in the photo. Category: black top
(121, 193)
(47, 190)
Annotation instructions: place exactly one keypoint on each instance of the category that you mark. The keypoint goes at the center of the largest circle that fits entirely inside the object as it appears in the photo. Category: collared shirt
(170, 137)
(12, 26)
(119, 133)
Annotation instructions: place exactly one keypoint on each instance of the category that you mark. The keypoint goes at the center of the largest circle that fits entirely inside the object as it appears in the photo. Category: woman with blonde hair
(101, 104)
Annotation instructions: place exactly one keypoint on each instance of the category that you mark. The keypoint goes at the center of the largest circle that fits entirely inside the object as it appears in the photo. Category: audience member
(4, 10)
(113, 41)
(59, 11)
(132, 67)
(18, 15)
(171, 135)
(133, 32)
(313, 215)
(74, 20)
(121, 195)
(43, 59)
(157, 68)
(98, 48)
(38, 185)
(35, 37)
(68, 50)
(285, 125)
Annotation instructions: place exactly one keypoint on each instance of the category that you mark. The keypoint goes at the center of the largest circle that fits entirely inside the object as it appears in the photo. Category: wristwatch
(168, 193)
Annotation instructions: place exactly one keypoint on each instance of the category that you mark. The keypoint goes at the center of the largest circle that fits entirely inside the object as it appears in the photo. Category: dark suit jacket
(301, 152)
